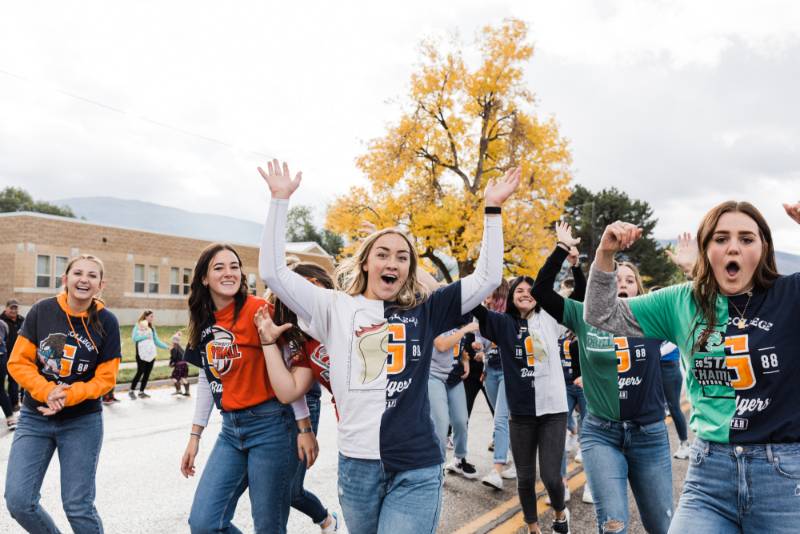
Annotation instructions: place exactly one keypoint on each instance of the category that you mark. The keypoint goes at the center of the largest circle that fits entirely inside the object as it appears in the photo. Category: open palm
(279, 180)
(498, 191)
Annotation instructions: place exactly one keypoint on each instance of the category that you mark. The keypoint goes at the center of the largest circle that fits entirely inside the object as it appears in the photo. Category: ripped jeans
(740, 488)
(615, 453)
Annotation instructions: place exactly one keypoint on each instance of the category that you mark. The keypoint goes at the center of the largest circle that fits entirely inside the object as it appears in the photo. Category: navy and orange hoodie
(58, 346)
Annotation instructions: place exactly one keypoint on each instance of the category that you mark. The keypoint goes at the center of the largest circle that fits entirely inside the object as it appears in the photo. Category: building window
(152, 279)
(187, 280)
(138, 278)
(43, 272)
(251, 283)
(61, 266)
(174, 281)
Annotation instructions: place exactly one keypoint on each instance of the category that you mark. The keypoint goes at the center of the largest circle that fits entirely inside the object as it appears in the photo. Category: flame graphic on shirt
(373, 347)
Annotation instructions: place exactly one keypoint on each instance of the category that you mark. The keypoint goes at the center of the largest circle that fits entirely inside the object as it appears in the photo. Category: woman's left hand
(793, 211)
(307, 448)
(268, 331)
(498, 191)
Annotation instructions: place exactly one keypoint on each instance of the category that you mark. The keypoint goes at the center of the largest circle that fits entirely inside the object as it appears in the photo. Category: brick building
(142, 269)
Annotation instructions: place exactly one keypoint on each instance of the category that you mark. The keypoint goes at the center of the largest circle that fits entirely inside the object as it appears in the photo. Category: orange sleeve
(22, 367)
(105, 378)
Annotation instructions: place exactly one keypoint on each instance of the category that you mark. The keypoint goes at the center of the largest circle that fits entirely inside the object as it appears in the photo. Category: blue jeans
(672, 381)
(449, 406)
(78, 441)
(256, 448)
(378, 501)
(496, 390)
(733, 489)
(574, 397)
(617, 453)
(303, 500)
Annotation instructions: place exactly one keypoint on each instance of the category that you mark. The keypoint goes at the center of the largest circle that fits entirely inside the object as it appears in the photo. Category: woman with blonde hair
(379, 330)
(736, 328)
(65, 358)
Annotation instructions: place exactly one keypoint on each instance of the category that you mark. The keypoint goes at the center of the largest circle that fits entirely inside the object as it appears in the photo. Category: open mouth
(732, 268)
(389, 279)
(622, 294)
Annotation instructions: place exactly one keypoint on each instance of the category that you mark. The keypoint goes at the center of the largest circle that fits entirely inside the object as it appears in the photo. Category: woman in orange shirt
(255, 447)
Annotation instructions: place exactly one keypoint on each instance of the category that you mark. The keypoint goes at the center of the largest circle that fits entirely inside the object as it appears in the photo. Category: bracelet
(307, 430)
(563, 245)
(492, 210)
(268, 344)
(198, 435)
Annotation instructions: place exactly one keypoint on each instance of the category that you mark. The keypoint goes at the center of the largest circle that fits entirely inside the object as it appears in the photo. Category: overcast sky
(682, 104)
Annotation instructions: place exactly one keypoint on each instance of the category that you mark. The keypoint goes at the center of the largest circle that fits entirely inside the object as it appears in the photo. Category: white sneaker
(509, 472)
(579, 456)
(493, 480)
(562, 527)
(571, 441)
(462, 467)
(587, 494)
(683, 451)
(333, 527)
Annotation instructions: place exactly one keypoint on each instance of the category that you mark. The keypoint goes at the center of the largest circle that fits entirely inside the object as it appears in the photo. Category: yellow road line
(516, 521)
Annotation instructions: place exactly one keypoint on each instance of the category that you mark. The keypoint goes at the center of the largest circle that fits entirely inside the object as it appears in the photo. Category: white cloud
(679, 103)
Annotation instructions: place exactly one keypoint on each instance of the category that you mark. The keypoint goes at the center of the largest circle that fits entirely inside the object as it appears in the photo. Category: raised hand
(498, 191)
(268, 331)
(280, 180)
(573, 256)
(793, 211)
(685, 253)
(619, 236)
(564, 234)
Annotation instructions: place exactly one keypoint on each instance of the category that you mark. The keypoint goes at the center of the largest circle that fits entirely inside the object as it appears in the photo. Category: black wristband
(492, 210)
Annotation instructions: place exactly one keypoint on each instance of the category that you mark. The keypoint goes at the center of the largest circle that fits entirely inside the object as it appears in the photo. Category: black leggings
(547, 433)
(143, 369)
(473, 385)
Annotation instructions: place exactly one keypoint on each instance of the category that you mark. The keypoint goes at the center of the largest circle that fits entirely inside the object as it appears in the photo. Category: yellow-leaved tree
(462, 127)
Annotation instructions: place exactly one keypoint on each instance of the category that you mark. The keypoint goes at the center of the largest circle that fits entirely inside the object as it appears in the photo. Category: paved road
(140, 489)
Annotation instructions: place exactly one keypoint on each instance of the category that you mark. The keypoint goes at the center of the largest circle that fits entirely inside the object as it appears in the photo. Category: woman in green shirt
(736, 327)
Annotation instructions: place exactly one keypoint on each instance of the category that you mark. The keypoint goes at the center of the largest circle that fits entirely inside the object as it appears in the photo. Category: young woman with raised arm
(379, 331)
(527, 337)
(736, 328)
(623, 435)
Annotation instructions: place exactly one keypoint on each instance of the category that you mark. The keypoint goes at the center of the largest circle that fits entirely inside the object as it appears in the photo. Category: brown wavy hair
(705, 287)
(352, 279)
(201, 305)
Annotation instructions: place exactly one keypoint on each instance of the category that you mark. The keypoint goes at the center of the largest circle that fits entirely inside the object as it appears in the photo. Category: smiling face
(523, 300)
(626, 282)
(83, 281)
(224, 277)
(734, 252)
(387, 267)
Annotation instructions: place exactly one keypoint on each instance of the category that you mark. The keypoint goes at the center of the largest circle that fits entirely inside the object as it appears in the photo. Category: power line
(142, 118)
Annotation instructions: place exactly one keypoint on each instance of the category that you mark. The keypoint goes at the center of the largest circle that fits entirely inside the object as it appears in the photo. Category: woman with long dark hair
(736, 327)
(65, 358)
(255, 448)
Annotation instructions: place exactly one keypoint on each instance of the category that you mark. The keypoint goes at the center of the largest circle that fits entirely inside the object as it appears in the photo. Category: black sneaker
(562, 527)
(463, 468)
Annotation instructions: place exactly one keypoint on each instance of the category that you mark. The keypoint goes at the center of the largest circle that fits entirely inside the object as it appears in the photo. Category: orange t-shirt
(232, 355)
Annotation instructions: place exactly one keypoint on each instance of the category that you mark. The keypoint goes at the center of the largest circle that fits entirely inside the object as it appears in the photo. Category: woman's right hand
(793, 211)
(187, 462)
(280, 180)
